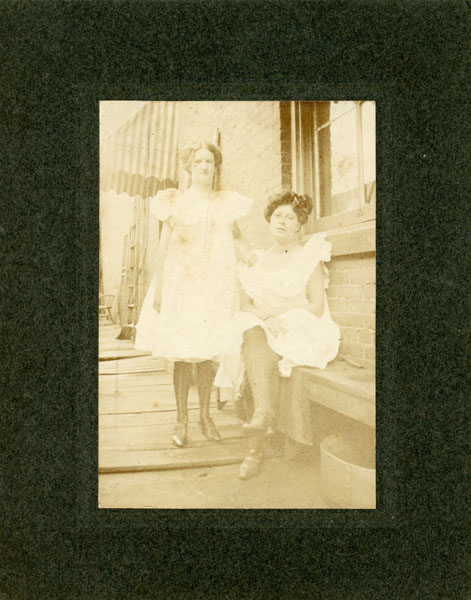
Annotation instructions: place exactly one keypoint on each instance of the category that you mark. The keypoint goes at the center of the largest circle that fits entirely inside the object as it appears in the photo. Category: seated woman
(284, 321)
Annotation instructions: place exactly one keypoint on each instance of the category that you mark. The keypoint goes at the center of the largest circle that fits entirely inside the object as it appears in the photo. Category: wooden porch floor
(137, 413)
(140, 468)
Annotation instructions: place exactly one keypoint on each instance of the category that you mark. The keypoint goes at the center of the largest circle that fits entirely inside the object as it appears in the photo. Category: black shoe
(179, 437)
(209, 430)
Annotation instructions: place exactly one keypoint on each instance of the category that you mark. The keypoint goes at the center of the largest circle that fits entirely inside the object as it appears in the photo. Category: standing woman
(194, 292)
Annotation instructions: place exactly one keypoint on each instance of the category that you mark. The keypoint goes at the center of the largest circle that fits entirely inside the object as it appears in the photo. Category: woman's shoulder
(169, 194)
(233, 204)
(164, 204)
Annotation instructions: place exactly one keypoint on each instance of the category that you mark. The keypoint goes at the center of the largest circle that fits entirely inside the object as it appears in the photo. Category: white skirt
(303, 340)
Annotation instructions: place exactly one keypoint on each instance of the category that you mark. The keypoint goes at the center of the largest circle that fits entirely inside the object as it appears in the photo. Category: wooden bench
(347, 390)
(339, 389)
(344, 389)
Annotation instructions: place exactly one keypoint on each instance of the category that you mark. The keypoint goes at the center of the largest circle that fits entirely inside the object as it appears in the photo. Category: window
(331, 153)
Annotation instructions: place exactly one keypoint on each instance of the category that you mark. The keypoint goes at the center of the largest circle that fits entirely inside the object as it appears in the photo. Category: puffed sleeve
(316, 250)
(164, 204)
(236, 206)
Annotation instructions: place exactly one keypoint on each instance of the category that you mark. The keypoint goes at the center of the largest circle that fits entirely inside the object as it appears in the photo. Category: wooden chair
(105, 303)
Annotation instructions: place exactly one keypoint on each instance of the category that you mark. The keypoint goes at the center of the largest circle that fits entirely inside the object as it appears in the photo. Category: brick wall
(250, 144)
(352, 301)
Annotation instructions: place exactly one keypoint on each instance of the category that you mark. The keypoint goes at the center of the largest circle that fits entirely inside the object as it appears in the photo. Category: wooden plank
(359, 383)
(110, 404)
(109, 335)
(122, 370)
(132, 365)
(143, 360)
(129, 393)
(360, 409)
(335, 222)
(133, 380)
(105, 328)
(160, 437)
(118, 405)
(145, 391)
(120, 354)
(140, 407)
(127, 380)
(113, 387)
(155, 418)
(111, 344)
(230, 452)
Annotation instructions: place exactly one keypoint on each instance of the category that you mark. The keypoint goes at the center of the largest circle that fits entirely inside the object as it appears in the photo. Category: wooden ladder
(133, 284)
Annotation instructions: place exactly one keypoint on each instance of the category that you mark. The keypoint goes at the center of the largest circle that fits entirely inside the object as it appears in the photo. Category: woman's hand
(275, 327)
(266, 311)
(158, 298)
(250, 259)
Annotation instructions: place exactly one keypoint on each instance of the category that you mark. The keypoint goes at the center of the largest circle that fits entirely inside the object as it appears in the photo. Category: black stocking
(261, 365)
(181, 386)
(204, 380)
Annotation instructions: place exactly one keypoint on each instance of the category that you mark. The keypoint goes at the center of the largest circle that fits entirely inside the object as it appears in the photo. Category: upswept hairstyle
(188, 151)
(300, 203)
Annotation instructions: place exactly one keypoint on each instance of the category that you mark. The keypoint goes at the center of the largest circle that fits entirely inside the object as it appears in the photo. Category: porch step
(125, 353)
(206, 455)
(113, 363)
(159, 437)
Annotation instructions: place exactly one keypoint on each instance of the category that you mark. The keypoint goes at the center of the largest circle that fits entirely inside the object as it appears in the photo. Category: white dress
(199, 288)
(304, 339)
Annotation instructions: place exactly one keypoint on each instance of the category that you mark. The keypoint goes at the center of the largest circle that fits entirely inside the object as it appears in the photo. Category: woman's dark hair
(300, 203)
(188, 151)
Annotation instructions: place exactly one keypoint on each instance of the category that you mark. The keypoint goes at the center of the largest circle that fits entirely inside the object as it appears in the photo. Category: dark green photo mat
(60, 61)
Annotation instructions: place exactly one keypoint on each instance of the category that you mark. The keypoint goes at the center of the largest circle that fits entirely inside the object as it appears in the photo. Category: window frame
(303, 143)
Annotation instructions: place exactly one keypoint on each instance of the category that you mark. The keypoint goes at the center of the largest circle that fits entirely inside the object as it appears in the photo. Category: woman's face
(284, 224)
(202, 167)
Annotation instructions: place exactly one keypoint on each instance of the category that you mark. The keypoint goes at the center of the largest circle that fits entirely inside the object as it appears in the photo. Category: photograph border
(90, 516)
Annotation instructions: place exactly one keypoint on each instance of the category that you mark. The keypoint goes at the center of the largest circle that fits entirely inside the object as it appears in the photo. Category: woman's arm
(161, 254)
(247, 305)
(315, 292)
(240, 243)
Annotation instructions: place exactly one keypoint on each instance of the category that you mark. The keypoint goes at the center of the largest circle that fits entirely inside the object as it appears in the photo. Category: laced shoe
(179, 437)
(251, 465)
(209, 430)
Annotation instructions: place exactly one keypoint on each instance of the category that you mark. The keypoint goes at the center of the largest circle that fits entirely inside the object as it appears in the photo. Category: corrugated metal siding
(141, 158)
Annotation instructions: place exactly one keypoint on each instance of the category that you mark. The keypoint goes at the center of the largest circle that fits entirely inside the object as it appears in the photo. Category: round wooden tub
(348, 474)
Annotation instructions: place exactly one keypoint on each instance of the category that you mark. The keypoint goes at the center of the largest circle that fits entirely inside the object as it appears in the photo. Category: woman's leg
(181, 386)
(205, 374)
(261, 365)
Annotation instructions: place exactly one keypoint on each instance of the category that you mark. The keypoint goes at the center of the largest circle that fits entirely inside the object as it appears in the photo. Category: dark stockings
(181, 386)
(181, 382)
(204, 380)
(261, 365)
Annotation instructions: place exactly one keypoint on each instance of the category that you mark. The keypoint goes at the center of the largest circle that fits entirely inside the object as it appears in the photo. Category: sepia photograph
(228, 372)
(237, 303)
